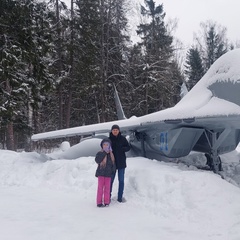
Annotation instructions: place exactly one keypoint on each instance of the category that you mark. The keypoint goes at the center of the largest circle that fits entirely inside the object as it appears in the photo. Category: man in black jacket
(120, 145)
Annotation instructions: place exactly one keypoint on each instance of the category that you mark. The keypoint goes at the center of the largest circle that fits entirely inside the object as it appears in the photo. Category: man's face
(115, 132)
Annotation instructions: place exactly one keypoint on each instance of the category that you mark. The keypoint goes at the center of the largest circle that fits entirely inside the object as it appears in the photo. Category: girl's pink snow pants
(103, 191)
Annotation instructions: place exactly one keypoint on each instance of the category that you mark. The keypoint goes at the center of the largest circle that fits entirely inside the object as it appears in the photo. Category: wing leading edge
(207, 119)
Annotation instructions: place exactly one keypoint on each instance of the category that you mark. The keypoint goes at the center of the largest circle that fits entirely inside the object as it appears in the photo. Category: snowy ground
(55, 199)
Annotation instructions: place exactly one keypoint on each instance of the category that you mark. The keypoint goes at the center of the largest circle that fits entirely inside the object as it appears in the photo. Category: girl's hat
(104, 141)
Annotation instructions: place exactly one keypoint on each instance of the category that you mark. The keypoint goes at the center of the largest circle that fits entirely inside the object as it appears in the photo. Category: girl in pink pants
(103, 191)
(105, 169)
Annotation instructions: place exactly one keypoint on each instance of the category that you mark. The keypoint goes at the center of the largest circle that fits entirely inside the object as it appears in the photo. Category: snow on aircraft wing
(215, 98)
(87, 130)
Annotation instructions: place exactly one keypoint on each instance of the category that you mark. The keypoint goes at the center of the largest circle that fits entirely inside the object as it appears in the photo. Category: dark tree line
(25, 59)
(58, 65)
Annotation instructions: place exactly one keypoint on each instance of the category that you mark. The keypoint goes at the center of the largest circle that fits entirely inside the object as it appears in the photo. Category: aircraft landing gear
(215, 139)
(214, 163)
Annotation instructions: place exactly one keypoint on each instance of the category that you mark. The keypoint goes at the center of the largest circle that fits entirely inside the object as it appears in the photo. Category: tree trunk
(10, 137)
(60, 97)
(70, 79)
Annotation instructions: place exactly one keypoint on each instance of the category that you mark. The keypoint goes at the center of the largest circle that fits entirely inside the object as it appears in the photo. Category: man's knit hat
(115, 126)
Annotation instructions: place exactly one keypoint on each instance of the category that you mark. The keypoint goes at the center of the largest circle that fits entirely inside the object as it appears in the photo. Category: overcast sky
(191, 12)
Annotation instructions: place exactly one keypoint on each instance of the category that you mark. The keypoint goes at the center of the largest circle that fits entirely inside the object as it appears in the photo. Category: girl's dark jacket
(120, 145)
(107, 170)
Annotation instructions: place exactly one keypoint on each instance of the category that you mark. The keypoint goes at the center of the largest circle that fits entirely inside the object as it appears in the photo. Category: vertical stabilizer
(118, 104)
(184, 90)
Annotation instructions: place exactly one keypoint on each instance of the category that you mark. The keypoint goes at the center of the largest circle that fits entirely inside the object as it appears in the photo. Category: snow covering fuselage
(206, 120)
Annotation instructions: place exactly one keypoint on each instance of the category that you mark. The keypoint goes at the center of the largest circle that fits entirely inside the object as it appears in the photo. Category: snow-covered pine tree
(160, 75)
(24, 65)
(211, 42)
(194, 69)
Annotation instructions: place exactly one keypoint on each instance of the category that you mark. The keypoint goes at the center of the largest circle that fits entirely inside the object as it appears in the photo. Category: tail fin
(118, 104)
(184, 90)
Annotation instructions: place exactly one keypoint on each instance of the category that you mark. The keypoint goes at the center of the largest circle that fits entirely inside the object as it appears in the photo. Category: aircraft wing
(163, 120)
(87, 130)
(207, 119)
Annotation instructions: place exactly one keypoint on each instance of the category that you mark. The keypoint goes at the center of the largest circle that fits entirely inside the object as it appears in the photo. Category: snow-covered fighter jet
(206, 120)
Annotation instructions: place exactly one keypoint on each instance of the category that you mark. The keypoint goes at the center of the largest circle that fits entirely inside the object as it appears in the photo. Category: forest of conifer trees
(58, 64)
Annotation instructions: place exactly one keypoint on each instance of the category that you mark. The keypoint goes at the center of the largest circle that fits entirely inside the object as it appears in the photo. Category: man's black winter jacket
(120, 145)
